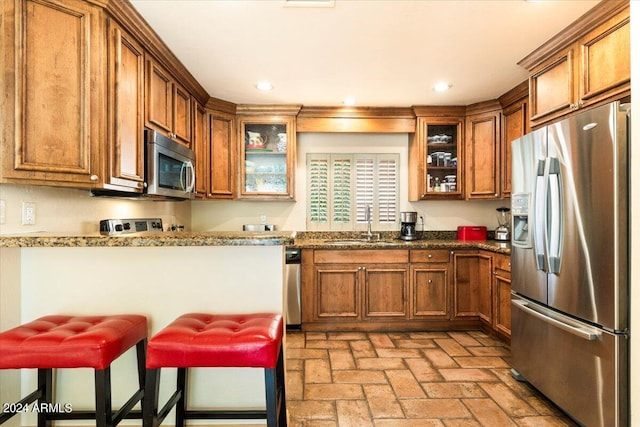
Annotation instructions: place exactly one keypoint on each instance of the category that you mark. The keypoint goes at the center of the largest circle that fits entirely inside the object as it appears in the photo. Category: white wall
(62, 210)
(438, 215)
(10, 296)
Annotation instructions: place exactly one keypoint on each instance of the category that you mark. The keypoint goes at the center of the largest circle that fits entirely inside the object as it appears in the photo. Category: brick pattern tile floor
(425, 379)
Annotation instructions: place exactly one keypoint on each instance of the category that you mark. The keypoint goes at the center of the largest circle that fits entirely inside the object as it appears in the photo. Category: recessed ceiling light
(264, 85)
(441, 86)
(309, 3)
(349, 101)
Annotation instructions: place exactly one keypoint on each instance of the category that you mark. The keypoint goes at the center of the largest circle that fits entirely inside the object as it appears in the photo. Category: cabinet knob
(430, 256)
(93, 177)
(430, 281)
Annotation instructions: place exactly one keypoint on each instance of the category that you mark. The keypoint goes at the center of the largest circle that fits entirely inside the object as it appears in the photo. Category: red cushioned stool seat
(217, 341)
(61, 341)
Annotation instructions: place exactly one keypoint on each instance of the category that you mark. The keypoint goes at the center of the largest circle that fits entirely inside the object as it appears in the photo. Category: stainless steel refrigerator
(569, 256)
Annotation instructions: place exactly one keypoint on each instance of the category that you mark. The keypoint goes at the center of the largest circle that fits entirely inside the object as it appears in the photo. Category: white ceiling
(382, 53)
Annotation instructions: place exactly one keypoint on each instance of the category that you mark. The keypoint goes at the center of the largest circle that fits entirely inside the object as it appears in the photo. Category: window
(342, 186)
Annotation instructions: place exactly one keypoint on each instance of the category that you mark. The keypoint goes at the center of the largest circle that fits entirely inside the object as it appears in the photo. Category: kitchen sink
(359, 242)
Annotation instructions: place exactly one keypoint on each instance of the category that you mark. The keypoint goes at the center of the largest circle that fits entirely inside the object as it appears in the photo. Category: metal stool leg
(150, 399)
(45, 386)
(181, 405)
(280, 379)
(271, 393)
(104, 414)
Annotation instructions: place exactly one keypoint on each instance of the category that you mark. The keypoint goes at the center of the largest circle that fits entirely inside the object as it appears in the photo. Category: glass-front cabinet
(267, 157)
(436, 159)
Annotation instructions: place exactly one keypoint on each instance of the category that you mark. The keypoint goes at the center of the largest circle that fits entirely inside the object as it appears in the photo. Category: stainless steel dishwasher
(293, 258)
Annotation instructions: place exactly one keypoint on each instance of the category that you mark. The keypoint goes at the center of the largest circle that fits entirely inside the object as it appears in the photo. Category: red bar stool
(55, 342)
(217, 341)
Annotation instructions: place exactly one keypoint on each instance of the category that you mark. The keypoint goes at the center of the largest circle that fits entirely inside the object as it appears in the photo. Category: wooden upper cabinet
(215, 146)
(125, 159)
(222, 156)
(515, 123)
(267, 146)
(159, 98)
(168, 104)
(181, 114)
(201, 148)
(53, 108)
(553, 87)
(605, 60)
(482, 155)
(436, 154)
(592, 64)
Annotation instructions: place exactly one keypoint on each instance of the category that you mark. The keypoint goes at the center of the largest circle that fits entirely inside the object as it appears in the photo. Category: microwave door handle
(191, 177)
(555, 215)
(183, 176)
(540, 215)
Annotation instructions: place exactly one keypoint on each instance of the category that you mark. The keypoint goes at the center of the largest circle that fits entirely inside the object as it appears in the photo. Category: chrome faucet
(368, 214)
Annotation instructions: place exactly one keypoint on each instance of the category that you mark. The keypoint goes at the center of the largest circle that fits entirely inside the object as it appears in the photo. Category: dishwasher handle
(293, 256)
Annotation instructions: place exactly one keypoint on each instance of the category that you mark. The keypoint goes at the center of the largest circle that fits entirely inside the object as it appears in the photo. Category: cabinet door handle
(430, 281)
(93, 177)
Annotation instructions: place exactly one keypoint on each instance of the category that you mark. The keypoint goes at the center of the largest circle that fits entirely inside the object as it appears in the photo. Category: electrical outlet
(2, 212)
(263, 219)
(28, 213)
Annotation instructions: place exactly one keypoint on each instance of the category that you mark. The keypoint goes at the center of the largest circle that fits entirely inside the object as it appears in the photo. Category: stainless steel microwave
(169, 168)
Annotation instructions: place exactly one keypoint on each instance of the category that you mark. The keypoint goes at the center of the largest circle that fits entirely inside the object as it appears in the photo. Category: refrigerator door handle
(555, 215)
(540, 215)
(588, 334)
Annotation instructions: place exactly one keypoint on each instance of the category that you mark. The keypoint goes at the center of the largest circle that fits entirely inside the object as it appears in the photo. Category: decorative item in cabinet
(442, 158)
(436, 154)
(265, 161)
(267, 153)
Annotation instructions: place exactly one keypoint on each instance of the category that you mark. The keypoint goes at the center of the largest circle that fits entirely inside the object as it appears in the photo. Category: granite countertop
(150, 239)
(302, 240)
(386, 240)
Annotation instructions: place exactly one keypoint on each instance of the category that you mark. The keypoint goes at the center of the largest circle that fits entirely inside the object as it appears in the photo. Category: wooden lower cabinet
(385, 290)
(337, 291)
(429, 284)
(501, 321)
(471, 285)
(347, 289)
(397, 289)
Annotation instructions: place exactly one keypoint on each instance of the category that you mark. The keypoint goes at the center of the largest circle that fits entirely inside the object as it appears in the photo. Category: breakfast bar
(161, 276)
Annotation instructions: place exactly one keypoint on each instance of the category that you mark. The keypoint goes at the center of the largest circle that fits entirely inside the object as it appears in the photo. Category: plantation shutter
(364, 196)
(387, 186)
(341, 187)
(318, 178)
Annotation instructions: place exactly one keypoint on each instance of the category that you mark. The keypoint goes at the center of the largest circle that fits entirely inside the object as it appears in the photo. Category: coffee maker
(408, 225)
(504, 224)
